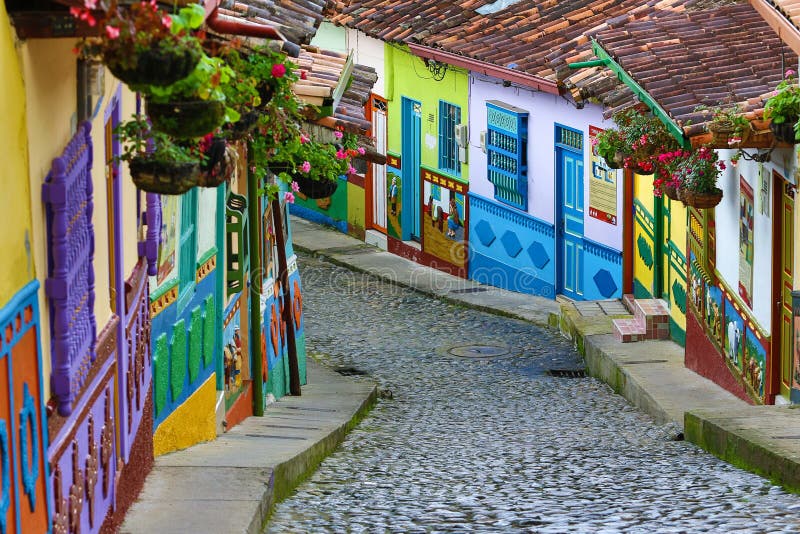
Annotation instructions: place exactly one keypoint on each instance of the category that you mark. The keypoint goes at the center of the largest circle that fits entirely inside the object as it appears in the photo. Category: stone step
(628, 330)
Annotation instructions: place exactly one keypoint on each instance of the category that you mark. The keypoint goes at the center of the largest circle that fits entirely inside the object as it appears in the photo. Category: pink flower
(304, 139)
(166, 21)
(351, 170)
(790, 72)
(721, 166)
(341, 154)
(305, 167)
(337, 134)
(90, 4)
(112, 32)
(278, 70)
(288, 197)
(362, 150)
(295, 187)
(303, 75)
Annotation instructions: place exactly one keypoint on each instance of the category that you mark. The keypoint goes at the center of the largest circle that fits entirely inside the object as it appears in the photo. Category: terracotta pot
(164, 178)
(185, 119)
(785, 131)
(700, 200)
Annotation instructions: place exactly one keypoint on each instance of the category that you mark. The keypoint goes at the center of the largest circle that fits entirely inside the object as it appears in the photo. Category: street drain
(567, 373)
(350, 371)
(469, 290)
(479, 351)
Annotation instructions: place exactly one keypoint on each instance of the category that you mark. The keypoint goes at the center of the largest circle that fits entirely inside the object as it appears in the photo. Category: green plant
(643, 137)
(784, 104)
(130, 30)
(608, 143)
(140, 141)
(728, 120)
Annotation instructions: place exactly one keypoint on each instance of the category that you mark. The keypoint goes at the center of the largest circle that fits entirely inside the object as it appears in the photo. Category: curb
(287, 475)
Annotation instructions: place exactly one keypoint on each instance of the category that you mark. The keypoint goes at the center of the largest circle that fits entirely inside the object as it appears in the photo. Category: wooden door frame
(773, 370)
(369, 187)
(628, 221)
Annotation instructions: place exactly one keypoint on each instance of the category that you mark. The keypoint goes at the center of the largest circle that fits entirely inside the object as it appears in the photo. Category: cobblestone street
(495, 444)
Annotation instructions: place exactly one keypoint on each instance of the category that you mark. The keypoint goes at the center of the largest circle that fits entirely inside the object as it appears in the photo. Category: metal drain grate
(479, 351)
(567, 373)
(350, 371)
(469, 290)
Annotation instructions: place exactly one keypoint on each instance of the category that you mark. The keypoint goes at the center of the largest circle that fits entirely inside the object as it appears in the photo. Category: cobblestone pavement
(495, 444)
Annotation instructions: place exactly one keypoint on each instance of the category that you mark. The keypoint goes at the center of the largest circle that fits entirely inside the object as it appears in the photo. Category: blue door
(410, 217)
(569, 235)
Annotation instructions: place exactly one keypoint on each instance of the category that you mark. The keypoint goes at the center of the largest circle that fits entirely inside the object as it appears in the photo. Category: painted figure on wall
(734, 335)
(166, 247)
(713, 312)
(393, 192)
(755, 360)
(453, 219)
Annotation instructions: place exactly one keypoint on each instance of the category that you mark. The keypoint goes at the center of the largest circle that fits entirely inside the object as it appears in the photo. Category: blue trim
(522, 219)
(317, 217)
(219, 290)
(602, 251)
(5, 453)
(30, 471)
(445, 144)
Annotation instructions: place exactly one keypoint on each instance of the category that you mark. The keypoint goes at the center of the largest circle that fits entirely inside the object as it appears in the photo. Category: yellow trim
(163, 302)
(191, 422)
(205, 269)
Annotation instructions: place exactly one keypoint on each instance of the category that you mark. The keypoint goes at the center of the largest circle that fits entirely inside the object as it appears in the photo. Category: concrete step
(628, 330)
(650, 321)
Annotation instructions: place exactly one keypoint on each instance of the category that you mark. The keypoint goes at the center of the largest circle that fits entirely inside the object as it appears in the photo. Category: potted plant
(783, 107)
(157, 164)
(667, 182)
(610, 146)
(697, 175)
(195, 105)
(219, 161)
(141, 44)
(727, 126)
(644, 138)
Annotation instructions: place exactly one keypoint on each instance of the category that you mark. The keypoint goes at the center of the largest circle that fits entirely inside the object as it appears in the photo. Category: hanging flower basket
(785, 130)
(220, 163)
(242, 128)
(723, 131)
(164, 178)
(157, 66)
(670, 191)
(186, 119)
(700, 200)
(265, 92)
(315, 189)
(615, 162)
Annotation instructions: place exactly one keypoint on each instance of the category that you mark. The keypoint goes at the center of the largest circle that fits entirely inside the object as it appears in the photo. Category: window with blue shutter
(507, 153)
(449, 117)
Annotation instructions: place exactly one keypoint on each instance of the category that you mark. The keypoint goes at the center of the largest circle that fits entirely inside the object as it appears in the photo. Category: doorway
(782, 279)
(569, 212)
(411, 124)
(376, 179)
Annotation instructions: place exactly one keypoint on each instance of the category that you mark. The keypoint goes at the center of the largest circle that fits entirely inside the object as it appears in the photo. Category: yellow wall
(643, 193)
(192, 422)
(16, 265)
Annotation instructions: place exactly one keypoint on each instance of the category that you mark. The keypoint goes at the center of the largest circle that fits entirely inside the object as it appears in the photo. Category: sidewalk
(231, 484)
(649, 374)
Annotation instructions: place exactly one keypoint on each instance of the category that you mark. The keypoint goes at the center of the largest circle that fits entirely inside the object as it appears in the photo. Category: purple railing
(149, 247)
(67, 194)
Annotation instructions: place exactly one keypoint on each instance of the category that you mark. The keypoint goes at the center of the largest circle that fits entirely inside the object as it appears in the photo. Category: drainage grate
(350, 371)
(470, 290)
(637, 362)
(479, 351)
(567, 373)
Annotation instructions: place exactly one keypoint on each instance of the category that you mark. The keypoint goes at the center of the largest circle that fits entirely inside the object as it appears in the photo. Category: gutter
(787, 31)
(604, 59)
(483, 67)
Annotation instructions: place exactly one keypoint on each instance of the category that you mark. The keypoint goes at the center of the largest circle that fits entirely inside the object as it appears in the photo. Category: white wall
(727, 226)
(369, 51)
(206, 220)
(545, 111)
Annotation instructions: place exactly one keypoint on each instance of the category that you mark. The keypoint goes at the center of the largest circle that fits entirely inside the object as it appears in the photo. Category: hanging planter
(785, 130)
(186, 119)
(700, 200)
(242, 128)
(219, 165)
(616, 161)
(670, 191)
(315, 189)
(723, 131)
(164, 178)
(158, 66)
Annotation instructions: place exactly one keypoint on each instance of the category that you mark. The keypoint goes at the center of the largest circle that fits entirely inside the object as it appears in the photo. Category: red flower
(278, 70)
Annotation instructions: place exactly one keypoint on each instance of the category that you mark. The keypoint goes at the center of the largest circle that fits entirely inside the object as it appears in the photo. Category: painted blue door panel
(411, 126)
(570, 234)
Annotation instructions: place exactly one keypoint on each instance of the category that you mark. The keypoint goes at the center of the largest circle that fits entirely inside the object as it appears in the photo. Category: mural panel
(734, 335)
(394, 195)
(754, 364)
(746, 246)
(444, 218)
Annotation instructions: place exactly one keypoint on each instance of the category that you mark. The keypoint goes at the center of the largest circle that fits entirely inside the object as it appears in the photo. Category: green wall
(407, 75)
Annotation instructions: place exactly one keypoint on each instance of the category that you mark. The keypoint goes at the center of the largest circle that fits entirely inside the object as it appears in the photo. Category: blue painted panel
(317, 217)
(602, 271)
(569, 183)
(411, 157)
(521, 259)
(164, 322)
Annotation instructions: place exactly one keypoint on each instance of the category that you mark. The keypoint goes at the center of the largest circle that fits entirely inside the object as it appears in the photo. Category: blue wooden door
(569, 163)
(410, 216)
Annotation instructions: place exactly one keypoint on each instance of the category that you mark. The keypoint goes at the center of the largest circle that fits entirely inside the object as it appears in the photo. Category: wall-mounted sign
(746, 248)
(602, 185)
